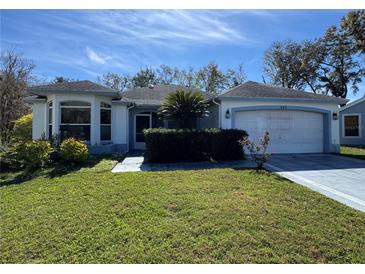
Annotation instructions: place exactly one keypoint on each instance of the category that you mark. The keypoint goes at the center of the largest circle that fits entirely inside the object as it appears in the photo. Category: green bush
(74, 151)
(171, 145)
(32, 154)
(8, 159)
(23, 128)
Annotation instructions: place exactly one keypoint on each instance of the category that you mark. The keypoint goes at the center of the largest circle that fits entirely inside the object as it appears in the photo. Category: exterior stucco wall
(39, 128)
(326, 108)
(119, 128)
(353, 141)
(119, 124)
(212, 121)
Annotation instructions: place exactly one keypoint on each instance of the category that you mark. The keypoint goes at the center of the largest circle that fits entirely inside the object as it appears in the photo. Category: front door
(141, 122)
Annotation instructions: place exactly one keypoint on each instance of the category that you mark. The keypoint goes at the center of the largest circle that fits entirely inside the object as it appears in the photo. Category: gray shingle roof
(354, 103)
(252, 89)
(153, 96)
(77, 86)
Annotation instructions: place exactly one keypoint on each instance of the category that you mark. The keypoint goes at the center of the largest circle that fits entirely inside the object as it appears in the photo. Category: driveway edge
(327, 191)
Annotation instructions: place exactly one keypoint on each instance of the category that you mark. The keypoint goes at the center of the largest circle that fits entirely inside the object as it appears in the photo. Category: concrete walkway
(337, 177)
(135, 163)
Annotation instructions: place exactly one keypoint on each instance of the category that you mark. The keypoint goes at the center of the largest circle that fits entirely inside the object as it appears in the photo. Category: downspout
(219, 112)
(127, 123)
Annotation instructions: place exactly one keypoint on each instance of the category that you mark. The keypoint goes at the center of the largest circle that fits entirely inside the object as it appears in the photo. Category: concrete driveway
(340, 178)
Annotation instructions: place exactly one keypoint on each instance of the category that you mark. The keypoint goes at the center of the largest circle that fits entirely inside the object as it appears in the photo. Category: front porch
(143, 117)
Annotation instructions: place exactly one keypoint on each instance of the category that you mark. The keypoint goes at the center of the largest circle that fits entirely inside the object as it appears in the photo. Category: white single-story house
(352, 123)
(112, 121)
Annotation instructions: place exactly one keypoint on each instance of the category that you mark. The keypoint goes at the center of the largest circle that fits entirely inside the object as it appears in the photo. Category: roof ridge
(279, 87)
(68, 82)
(286, 88)
(71, 86)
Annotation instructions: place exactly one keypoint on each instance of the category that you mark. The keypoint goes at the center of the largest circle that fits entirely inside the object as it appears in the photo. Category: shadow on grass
(357, 152)
(58, 169)
(356, 156)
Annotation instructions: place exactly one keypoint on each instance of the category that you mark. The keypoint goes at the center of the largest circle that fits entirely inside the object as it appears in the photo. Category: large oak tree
(330, 64)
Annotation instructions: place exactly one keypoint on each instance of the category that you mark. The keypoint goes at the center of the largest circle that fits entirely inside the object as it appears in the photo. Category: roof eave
(147, 105)
(119, 102)
(354, 103)
(337, 101)
(34, 100)
(83, 92)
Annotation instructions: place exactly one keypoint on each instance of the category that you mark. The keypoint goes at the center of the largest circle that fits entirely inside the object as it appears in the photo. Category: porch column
(39, 125)
(95, 122)
(56, 115)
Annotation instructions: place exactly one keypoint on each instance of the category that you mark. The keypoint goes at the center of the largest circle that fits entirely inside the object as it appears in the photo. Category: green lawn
(354, 152)
(203, 216)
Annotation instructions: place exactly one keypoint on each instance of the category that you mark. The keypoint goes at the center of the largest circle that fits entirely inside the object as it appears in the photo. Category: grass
(90, 215)
(354, 152)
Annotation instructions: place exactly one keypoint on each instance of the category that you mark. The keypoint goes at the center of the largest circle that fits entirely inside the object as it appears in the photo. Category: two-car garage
(291, 131)
(297, 121)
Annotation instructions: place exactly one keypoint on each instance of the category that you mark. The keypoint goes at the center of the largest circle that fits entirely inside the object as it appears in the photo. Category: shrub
(32, 154)
(23, 128)
(258, 149)
(171, 145)
(8, 159)
(73, 151)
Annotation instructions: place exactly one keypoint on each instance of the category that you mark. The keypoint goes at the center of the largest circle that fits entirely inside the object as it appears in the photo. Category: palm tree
(184, 107)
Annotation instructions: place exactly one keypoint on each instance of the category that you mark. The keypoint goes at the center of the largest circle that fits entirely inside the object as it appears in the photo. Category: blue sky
(83, 44)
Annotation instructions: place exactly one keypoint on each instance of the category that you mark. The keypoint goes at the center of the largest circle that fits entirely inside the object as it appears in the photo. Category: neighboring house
(111, 121)
(352, 123)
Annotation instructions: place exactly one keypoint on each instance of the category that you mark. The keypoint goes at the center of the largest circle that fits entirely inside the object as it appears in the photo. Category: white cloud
(127, 39)
(96, 58)
(101, 40)
(175, 26)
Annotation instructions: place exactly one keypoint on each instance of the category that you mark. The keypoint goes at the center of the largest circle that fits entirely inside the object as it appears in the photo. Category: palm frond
(185, 107)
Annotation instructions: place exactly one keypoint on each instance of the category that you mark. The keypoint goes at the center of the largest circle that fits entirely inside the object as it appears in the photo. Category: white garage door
(290, 131)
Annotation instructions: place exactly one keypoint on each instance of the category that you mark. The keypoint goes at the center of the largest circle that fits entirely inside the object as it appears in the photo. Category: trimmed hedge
(171, 145)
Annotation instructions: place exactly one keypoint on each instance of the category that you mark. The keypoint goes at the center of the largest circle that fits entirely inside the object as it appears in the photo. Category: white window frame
(343, 125)
(75, 106)
(110, 109)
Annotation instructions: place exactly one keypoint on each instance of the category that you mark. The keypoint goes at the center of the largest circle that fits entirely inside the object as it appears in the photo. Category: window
(351, 125)
(50, 115)
(75, 120)
(105, 122)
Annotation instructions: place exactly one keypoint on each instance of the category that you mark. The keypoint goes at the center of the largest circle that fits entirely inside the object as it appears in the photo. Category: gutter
(219, 112)
(34, 100)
